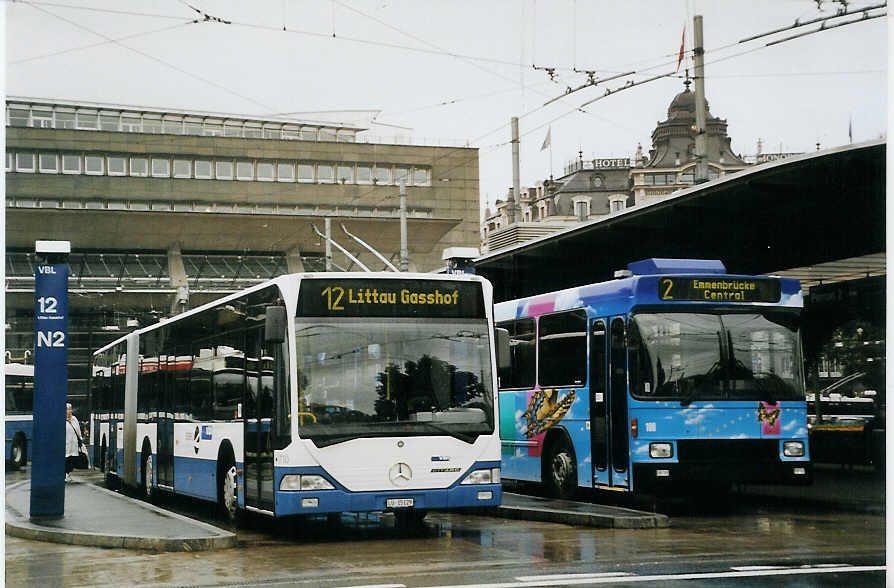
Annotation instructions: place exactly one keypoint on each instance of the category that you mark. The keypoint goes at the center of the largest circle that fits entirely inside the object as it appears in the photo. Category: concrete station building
(166, 210)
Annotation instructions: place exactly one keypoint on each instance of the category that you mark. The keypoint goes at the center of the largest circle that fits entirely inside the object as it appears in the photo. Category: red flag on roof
(682, 48)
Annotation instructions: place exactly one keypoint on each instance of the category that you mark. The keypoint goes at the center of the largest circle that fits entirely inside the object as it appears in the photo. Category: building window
(139, 206)
(161, 206)
(88, 121)
(401, 175)
(306, 172)
(285, 172)
(223, 170)
(41, 119)
(688, 177)
(203, 170)
(9, 158)
(364, 174)
(131, 123)
(172, 125)
(48, 163)
(346, 174)
(232, 129)
(344, 136)
(325, 173)
(139, 166)
(327, 135)
(18, 117)
(290, 133)
(252, 131)
(271, 132)
(308, 133)
(213, 128)
(421, 177)
(265, 172)
(383, 174)
(116, 166)
(65, 120)
(109, 122)
(192, 126)
(71, 164)
(152, 123)
(617, 203)
(93, 165)
(182, 168)
(161, 168)
(25, 162)
(245, 170)
(116, 205)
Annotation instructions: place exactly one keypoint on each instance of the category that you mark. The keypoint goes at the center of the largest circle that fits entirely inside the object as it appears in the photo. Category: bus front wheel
(227, 490)
(560, 475)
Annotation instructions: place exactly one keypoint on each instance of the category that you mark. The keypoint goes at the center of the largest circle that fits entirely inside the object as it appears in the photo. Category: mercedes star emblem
(400, 474)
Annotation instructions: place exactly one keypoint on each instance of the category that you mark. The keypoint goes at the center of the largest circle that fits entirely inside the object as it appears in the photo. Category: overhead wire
(151, 57)
(100, 44)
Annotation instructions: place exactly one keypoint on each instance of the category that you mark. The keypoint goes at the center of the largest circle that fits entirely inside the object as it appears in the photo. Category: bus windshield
(715, 356)
(384, 377)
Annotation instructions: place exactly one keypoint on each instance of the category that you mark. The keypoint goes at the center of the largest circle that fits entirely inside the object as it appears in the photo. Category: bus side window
(563, 349)
(522, 352)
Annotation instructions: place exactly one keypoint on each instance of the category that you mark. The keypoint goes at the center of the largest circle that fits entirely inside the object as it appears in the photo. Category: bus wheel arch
(559, 464)
(227, 483)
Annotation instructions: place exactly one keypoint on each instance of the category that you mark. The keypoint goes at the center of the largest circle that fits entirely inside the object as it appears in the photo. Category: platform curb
(18, 525)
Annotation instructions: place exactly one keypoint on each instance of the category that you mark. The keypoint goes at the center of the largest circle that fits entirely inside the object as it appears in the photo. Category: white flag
(546, 140)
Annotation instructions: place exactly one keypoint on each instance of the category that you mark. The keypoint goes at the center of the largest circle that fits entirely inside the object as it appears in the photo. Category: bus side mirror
(275, 324)
(504, 358)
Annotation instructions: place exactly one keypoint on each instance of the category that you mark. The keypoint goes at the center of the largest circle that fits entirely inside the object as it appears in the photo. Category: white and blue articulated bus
(19, 412)
(311, 393)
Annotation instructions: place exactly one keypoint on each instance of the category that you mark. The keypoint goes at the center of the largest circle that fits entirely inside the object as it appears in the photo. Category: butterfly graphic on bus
(769, 417)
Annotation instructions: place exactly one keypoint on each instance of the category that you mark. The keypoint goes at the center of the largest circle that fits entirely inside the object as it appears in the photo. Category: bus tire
(560, 472)
(110, 480)
(146, 487)
(18, 454)
(227, 488)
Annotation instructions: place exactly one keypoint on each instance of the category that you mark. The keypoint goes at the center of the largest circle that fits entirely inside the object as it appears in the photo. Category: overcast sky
(456, 71)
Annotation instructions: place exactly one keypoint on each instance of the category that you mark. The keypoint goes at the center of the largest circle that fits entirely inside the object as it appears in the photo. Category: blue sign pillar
(50, 378)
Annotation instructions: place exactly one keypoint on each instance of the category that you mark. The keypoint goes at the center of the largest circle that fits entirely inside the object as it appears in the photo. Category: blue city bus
(675, 376)
(19, 412)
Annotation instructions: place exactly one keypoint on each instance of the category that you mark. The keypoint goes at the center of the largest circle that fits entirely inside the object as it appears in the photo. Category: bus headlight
(793, 449)
(294, 482)
(661, 450)
(491, 476)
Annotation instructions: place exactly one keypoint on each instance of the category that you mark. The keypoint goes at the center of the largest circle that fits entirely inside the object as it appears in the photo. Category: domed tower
(673, 140)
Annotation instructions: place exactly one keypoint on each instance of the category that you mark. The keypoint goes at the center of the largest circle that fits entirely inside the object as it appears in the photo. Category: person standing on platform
(72, 441)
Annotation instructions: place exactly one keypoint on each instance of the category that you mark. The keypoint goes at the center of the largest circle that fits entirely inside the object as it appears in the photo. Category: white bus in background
(309, 394)
(19, 412)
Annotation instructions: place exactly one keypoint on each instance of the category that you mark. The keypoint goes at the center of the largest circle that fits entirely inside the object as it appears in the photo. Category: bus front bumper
(338, 500)
(652, 476)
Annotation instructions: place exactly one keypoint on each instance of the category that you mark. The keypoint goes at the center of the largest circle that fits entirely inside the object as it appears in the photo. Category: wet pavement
(102, 518)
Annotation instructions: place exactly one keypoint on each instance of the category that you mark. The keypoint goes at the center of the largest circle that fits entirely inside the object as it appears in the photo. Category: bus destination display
(711, 289)
(390, 298)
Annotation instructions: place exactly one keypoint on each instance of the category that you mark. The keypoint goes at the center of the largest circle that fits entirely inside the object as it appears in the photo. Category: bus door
(608, 403)
(167, 366)
(599, 426)
(258, 420)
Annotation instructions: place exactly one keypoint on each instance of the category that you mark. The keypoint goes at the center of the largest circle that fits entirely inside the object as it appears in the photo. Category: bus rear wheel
(18, 456)
(148, 490)
(561, 474)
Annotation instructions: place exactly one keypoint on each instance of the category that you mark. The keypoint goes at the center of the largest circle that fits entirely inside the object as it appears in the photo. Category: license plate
(399, 502)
